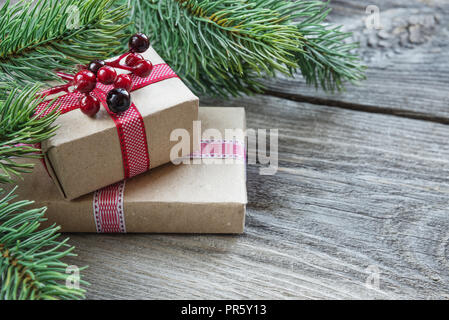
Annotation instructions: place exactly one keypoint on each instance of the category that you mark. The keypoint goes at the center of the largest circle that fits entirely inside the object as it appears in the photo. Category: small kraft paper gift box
(88, 153)
(206, 193)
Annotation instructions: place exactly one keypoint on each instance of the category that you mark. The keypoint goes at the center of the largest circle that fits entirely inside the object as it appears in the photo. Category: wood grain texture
(353, 190)
(408, 61)
(361, 185)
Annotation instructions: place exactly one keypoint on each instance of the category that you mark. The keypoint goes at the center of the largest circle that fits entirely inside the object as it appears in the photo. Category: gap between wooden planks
(354, 191)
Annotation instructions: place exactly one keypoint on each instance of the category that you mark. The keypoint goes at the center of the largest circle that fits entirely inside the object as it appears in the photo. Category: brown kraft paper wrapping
(85, 153)
(185, 198)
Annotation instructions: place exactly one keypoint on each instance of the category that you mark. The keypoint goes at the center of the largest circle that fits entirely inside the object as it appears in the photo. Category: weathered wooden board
(361, 187)
(408, 61)
(354, 190)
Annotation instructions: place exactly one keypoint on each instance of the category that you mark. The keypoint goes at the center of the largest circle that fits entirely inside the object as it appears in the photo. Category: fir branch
(30, 265)
(20, 129)
(39, 38)
(30, 256)
(218, 47)
(225, 47)
(328, 58)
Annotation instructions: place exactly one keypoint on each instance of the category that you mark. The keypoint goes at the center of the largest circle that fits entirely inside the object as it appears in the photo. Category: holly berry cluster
(118, 99)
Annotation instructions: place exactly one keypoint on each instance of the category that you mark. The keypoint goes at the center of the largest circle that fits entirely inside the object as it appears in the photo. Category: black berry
(95, 65)
(139, 43)
(118, 100)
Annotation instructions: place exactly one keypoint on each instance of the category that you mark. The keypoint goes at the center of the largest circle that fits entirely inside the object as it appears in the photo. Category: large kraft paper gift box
(209, 197)
(86, 153)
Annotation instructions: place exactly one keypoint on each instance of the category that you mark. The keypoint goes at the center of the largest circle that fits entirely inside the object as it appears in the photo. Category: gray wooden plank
(407, 61)
(348, 8)
(354, 190)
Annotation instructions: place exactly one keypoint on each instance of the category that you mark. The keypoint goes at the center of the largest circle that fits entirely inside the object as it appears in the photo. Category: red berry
(95, 65)
(143, 69)
(139, 43)
(85, 81)
(106, 75)
(133, 59)
(123, 81)
(89, 105)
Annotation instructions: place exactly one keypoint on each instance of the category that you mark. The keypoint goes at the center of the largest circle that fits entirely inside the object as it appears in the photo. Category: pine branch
(225, 47)
(20, 130)
(39, 38)
(35, 40)
(30, 257)
(217, 47)
(30, 265)
(328, 58)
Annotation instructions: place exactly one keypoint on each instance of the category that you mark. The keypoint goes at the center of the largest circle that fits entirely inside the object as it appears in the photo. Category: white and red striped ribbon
(108, 209)
(108, 203)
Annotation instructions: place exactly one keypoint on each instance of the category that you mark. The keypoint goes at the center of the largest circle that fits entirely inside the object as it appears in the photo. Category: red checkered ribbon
(130, 126)
(108, 202)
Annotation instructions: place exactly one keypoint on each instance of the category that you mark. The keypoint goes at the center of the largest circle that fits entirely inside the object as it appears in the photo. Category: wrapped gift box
(208, 195)
(86, 153)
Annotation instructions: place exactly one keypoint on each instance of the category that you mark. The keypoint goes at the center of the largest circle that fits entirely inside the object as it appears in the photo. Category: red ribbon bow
(130, 125)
